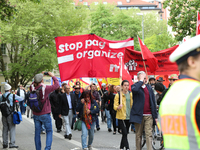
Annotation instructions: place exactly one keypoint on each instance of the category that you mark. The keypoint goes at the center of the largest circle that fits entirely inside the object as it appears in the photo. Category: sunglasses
(173, 79)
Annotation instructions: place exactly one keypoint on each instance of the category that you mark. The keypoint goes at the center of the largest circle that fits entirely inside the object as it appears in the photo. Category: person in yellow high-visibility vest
(179, 113)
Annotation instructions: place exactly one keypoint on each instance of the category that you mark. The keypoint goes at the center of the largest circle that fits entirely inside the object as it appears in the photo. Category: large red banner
(89, 56)
(134, 62)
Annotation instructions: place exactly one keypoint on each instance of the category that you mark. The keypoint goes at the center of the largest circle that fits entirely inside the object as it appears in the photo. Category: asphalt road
(103, 140)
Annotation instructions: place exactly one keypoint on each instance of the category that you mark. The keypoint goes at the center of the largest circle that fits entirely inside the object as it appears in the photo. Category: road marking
(61, 136)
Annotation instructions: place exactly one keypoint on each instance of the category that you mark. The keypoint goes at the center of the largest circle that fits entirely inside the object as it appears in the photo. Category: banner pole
(120, 77)
(143, 60)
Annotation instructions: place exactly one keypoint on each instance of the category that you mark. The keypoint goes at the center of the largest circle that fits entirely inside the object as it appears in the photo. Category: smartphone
(46, 73)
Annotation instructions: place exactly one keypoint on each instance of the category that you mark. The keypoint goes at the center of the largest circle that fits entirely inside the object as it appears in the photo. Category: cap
(38, 78)
(7, 87)
(160, 79)
(152, 77)
(103, 84)
(189, 48)
(173, 76)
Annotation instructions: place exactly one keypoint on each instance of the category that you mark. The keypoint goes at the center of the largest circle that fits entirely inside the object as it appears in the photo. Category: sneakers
(85, 149)
(42, 132)
(59, 130)
(89, 147)
(14, 146)
(5, 146)
(98, 129)
(68, 136)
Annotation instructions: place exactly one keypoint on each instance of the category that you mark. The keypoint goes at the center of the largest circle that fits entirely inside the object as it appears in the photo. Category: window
(160, 5)
(135, 7)
(119, 3)
(85, 3)
(145, 7)
(152, 7)
(130, 7)
(3, 48)
(104, 2)
(123, 7)
(96, 3)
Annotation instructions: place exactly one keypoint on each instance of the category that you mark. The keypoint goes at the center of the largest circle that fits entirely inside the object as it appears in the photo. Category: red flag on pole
(125, 73)
(198, 24)
(151, 61)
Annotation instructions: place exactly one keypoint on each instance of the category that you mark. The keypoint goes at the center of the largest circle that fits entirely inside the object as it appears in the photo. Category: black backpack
(6, 108)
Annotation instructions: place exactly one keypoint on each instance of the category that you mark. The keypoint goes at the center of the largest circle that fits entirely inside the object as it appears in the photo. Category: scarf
(43, 88)
(87, 117)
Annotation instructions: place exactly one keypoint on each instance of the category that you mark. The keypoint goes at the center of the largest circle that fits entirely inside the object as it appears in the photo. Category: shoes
(59, 130)
(114, 132)
(85, 149)
(119, 131)
(109, 130)
(89, 147)
(27, 116)
(66, 136)
(14, 146)
(70, 136)
(98, 129)
(42, 132)
(5, 146)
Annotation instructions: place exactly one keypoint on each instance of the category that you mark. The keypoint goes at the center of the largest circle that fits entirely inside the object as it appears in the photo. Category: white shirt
(22, 94)
(69, 101)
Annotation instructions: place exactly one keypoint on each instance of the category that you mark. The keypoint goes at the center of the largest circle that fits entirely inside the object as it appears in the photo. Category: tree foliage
(183, 16)
(30, 37)
(7, 10)
(112, 23)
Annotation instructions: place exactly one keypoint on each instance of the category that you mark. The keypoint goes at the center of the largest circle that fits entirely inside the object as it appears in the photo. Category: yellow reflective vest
(177, 116)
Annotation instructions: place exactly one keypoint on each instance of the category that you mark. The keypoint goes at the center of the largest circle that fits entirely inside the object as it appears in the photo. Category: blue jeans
(97, 121)
(46, 120)
(108, 118)
(22, 108)
(86, 132)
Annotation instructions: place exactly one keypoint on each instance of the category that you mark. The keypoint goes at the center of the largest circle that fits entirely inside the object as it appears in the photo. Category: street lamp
(141, 14)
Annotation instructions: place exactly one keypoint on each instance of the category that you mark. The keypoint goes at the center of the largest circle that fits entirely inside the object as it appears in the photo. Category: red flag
(198, 24)
(151, 61)
(125, 73)
(89, 56)
(133, 60)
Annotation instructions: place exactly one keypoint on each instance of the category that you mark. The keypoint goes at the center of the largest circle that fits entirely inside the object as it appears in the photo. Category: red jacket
(49, 88)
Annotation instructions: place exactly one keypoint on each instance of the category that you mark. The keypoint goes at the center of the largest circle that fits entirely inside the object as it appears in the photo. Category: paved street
(103, 140)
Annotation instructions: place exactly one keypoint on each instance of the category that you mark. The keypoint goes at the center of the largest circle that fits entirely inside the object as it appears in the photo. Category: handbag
(17, 116)
(78, 125)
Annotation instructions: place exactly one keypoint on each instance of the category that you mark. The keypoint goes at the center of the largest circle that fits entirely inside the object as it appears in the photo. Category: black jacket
(107, 97)
(138, 103)
(64, 106)
(94, 110)
(18, 93)
(55, 102)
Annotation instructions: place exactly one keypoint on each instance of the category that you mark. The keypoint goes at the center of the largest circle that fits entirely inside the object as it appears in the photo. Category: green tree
(30, 37)
(7, 10)
(159, 42)
(183, 16)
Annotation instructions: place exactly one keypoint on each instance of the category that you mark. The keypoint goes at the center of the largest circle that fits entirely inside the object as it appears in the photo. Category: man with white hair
(143, 112)
(7, 120)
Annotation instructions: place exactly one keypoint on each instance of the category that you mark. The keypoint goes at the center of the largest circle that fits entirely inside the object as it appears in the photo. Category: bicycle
(157, 140)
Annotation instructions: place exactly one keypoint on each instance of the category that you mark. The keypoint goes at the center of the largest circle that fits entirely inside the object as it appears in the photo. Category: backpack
(6, 108)
(34, 100)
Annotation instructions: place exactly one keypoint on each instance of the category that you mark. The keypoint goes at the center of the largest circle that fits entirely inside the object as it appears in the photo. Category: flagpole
(120, 77)
(197, 23)
(143, 60)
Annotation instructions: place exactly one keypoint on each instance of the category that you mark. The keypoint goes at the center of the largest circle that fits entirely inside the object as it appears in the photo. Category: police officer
(180, 109)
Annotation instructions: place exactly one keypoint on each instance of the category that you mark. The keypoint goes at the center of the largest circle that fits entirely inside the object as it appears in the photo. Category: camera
(46, 73)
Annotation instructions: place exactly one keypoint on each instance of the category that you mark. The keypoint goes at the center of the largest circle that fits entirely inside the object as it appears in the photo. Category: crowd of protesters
(119, 109)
